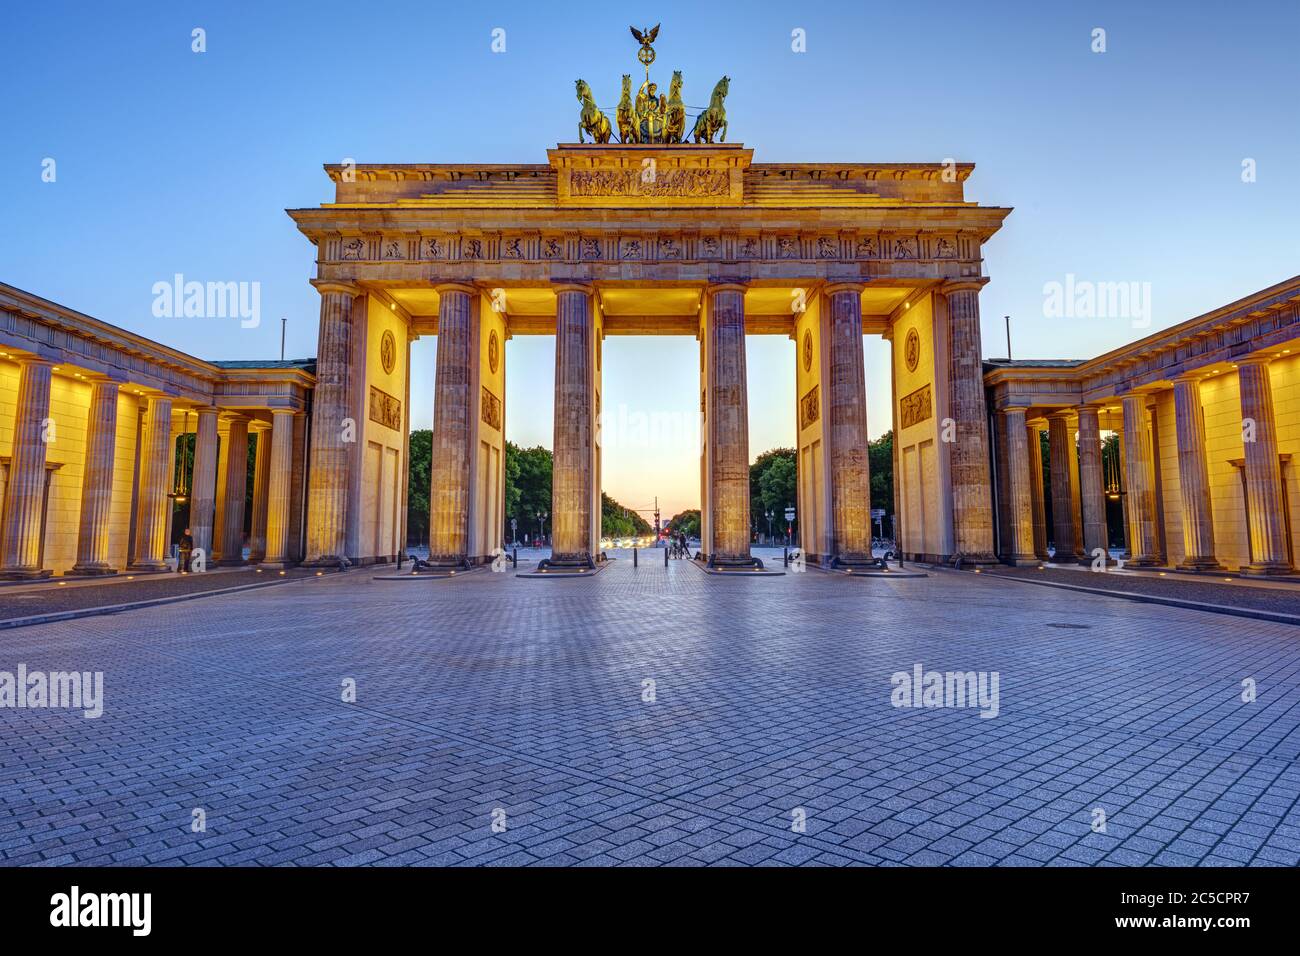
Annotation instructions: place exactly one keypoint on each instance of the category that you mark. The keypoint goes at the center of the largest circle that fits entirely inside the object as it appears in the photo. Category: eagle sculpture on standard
(647, 37)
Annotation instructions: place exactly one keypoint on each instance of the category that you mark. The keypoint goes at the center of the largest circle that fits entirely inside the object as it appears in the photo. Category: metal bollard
(786, 557)
(634, 564)
(516, 557)
(666, 557)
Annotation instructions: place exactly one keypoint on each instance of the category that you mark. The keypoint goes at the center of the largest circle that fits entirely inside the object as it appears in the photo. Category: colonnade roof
(1261, 324)
(89, 348)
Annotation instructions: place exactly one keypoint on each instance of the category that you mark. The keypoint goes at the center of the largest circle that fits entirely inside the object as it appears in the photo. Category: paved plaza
(506, 721)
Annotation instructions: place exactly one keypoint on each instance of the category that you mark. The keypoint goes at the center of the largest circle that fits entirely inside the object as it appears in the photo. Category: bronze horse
(713, 121)
(592, 120)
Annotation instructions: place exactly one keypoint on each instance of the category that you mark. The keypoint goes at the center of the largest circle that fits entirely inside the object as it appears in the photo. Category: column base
(327, 561)
(24, 574)
(978, 559)
(1020, 560)
(148, 568)
(1200, 564)
(581, 560)
(277, 565)
(737, 561)
(1068, 557)
(96, 569)
(854, 561)
(1267, 569)
(233, 563)
(1143, 562)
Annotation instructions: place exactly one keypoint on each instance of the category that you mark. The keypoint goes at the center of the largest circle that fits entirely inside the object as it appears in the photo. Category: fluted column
(157, 458)
(25, 491)
(571, 482)
(1033, 438)
(1065, 484)
(968, 456)
(1092, 487)
(1193, 476)
(729, 427)
(454, 411)
(847, 410)
(261, 486)
(203, 490)
(1264, 497)
(97, 481)
(279, 494)
(1020, 549)
(234, 462)
(327, 494)
(1139, 481)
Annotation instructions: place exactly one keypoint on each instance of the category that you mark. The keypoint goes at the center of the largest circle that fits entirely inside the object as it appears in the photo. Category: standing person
(186, 549)
(681, 543)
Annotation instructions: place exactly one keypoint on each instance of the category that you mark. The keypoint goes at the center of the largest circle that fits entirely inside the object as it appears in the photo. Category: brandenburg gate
(668, 232)
(1183, 443)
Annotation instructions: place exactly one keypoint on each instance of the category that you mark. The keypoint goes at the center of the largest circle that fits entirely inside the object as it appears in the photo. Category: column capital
(584, 286)
(1011, 409)
(336, 286)
(967, 284)
(727, 284)
(1064, 414)
(455, 285)
(284, 411)
(1089, 408)
(832, 288)
(1254, 361)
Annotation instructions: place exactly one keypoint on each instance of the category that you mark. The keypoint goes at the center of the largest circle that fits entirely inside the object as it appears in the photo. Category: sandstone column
(203, 493)
(454, 411)
(846, 406)
(574, 472)
(1092, 487)
(25, 492)
(157, 459)
(327, 495)
(1033, 438)
(1265, 500)
(261, 486)
(1193, 476)
(1020, 549)
(234, 462)
(1065, 499)
(969, 454)
(729, 428)
(279, 494)
(1139, 482)
(97, 481)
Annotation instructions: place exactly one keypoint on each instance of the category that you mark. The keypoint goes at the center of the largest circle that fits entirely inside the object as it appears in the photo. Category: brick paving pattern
(26, 601)
(485, 695)
(1205, 588)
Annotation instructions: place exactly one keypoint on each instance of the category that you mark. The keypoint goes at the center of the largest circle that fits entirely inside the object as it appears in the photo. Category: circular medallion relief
(912, 349)
(807, 350)
(494, 352)
(388, 352)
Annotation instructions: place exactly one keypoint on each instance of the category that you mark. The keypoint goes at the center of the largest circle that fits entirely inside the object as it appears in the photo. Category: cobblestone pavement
(1208, 589)
(29, 600)
(488, 698)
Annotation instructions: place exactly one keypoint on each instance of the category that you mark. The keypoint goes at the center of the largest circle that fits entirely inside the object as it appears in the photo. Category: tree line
(773, 487)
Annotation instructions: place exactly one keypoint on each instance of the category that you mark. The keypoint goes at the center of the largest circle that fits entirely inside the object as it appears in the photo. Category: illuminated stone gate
(636, 239)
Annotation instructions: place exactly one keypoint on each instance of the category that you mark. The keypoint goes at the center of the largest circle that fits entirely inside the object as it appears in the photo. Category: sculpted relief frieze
(676, 183)
(654, 246)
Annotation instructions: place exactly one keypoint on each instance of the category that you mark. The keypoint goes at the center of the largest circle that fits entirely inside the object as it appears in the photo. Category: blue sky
(1122, 166)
